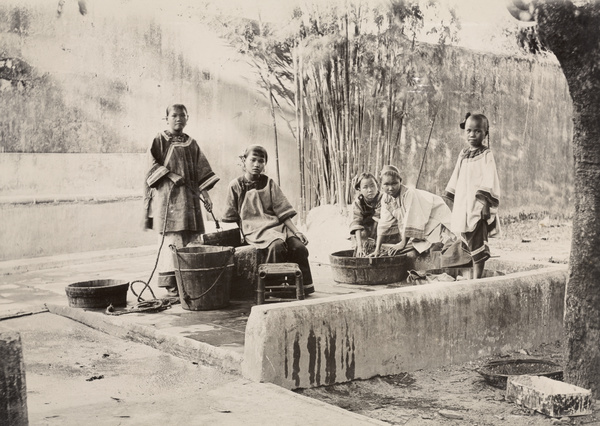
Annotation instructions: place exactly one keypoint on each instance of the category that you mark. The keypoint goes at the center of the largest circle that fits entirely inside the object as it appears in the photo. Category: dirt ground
(459, 394)
(545, 240)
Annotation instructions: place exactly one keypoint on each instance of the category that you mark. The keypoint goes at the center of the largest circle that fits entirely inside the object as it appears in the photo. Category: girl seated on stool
(263, 213)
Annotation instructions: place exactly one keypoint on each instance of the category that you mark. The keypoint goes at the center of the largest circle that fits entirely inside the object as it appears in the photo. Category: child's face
(390, 185)
(368, 188)
(177, 119)
(254, 164)
(475, 131)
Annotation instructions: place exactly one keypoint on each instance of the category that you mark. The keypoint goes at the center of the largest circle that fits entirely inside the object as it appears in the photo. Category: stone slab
(165, 340)
(548, 396)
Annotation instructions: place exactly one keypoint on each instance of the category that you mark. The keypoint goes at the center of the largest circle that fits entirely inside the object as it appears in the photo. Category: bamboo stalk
(299, 132)
(274, 134)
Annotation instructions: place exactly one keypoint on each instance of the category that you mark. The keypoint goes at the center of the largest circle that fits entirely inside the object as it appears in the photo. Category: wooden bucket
(368, 270)
(203, 276)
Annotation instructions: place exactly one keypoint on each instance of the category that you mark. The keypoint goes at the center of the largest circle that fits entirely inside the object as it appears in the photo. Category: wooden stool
(279, 282)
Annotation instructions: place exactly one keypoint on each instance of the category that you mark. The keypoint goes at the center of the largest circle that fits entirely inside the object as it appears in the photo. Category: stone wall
(530, 113)
(95, 87)
(359, 336)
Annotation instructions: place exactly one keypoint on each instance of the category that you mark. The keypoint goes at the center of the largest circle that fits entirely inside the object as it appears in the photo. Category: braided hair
(479, 117)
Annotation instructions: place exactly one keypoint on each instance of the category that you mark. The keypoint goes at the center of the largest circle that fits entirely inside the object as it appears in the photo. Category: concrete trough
(358, 336)
(550, 397)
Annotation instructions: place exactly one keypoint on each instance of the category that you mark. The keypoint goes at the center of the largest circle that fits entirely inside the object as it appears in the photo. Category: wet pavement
(28, 290)
(76, 375)
(30, 285)
(60, 354)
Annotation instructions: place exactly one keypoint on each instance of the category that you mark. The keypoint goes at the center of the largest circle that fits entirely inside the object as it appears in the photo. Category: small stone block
(548, 396)
(450, 414)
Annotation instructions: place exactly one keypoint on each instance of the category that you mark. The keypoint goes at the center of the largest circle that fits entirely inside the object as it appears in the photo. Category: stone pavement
(76, 375)
(212, 338)
(28, 288)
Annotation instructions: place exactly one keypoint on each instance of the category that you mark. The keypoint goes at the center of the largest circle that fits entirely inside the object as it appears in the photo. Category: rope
(154, 304)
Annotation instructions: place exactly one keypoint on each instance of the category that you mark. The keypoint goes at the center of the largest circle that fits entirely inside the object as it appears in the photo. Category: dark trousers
(477, 242)
(293, 251)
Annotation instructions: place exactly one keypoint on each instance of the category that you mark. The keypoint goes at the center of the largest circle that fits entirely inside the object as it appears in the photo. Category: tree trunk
(572, 35)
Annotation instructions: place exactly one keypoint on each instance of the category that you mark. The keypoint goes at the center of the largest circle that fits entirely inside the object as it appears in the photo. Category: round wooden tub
(368, 270)
(97, 293)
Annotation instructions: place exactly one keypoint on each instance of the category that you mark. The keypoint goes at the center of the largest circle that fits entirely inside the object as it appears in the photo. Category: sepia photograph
(300, 212)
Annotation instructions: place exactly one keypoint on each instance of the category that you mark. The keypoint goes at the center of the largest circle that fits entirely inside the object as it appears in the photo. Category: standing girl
(263, 213)
(178, 178)
(474, 191)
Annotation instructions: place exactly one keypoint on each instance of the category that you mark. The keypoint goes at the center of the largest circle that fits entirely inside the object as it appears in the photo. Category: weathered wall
(64, 175)
(530, 113)
(94, 87)
(54, 228)
(100, 83)
(65, 203)
(313, 343)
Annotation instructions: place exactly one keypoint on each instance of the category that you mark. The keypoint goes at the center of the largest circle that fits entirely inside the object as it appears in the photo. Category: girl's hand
(302, 238)
(176, 179)
(374, 254)
(396, 248)
(208, 205)
(359, 251)
(205, 198)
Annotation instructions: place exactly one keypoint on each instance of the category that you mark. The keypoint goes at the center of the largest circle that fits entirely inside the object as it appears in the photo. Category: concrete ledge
(179, 346)
(70, 198)
(326, 341)
(511, 266)
(9, 267)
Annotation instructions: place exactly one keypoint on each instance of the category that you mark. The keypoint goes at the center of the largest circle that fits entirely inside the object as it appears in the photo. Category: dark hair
(359, 178)
(479, 117)
(392, 171)
(255, 149)
(177, 106)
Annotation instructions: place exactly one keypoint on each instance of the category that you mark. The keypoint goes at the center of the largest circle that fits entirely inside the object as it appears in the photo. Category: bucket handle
(185, 295)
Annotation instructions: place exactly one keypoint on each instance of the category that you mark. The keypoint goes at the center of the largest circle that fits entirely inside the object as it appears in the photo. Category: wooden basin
(97, 293)
(368, 270)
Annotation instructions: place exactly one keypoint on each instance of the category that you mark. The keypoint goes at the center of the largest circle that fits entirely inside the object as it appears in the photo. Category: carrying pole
(426, 147)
